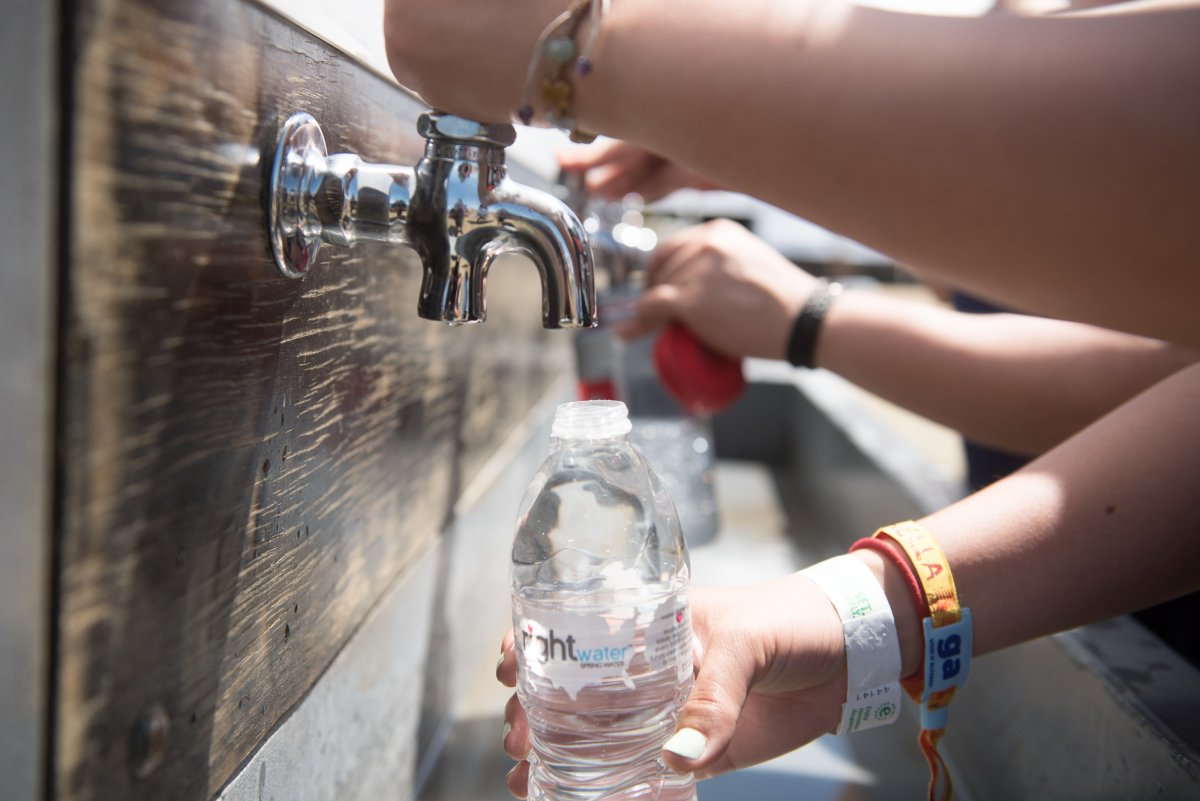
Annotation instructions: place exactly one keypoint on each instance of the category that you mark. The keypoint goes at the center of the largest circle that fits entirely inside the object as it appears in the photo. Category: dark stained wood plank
(246, 462)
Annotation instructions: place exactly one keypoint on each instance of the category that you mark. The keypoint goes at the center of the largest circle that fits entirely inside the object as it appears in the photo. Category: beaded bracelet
(557, 46)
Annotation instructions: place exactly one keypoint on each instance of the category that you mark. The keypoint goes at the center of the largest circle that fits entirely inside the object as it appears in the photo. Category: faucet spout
(513, 218)
(543, 228)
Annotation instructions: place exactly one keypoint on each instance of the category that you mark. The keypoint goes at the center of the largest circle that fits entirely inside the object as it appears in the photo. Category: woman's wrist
(908, 620)
(809, 322)
(595, 94)
(628, 73)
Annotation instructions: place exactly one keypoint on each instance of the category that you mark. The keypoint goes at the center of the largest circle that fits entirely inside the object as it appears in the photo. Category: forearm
(1105, 524)
(1016, 382)
(1016, 157)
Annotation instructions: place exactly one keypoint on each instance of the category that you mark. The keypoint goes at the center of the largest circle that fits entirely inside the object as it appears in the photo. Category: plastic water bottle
(600, 611)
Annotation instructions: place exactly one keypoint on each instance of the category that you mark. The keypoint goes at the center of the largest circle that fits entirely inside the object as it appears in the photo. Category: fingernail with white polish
(505, 733)
(687, 743)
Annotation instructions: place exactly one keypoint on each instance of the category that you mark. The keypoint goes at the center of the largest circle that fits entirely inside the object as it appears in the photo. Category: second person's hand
(735, 292)
(615, 169)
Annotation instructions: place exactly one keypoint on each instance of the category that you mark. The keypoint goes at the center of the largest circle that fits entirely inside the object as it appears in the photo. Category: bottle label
(669, 636)
(574, 650)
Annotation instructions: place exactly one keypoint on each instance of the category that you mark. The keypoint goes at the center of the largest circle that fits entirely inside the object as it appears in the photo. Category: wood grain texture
(246, 462)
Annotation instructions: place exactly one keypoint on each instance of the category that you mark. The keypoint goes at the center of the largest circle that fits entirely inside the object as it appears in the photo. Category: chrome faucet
(457, 208)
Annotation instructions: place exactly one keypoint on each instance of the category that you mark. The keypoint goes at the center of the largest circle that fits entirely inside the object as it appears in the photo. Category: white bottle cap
(591, 420)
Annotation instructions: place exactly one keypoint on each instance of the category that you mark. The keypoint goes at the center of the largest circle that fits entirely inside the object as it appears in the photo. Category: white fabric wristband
(872, 647)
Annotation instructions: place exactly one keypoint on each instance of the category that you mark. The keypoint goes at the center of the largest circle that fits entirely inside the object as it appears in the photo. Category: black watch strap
(802, 343)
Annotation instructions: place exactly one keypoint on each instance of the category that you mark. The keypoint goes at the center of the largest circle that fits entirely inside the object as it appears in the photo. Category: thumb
(710, 716)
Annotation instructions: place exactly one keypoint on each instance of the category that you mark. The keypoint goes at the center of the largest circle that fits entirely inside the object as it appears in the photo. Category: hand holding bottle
(770, 677)
(735, 292)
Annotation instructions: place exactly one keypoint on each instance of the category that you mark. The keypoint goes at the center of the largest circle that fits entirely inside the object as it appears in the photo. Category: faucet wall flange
(301, 147)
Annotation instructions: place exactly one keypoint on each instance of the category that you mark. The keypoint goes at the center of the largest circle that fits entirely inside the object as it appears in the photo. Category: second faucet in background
(677, 443)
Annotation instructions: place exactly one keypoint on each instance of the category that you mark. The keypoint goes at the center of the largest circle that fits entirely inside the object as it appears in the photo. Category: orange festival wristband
(948, 639)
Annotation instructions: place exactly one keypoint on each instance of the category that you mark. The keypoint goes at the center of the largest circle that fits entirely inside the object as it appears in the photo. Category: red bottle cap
(702, 380)
(598, 389)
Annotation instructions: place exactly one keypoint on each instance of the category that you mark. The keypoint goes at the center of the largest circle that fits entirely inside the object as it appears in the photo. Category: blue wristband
(947, 664)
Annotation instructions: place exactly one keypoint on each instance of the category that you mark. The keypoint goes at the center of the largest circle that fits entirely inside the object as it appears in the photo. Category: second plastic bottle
(600, 611)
